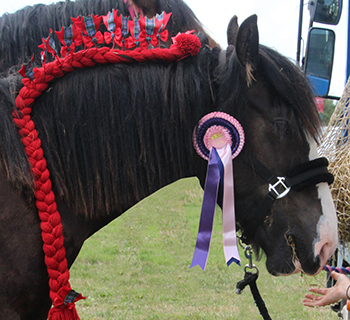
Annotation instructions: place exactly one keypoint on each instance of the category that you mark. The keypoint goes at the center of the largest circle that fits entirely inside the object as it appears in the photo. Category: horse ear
(232, 31)
(247, 46)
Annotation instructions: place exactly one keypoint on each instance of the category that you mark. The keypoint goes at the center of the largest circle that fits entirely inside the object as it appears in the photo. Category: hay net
(336, 147)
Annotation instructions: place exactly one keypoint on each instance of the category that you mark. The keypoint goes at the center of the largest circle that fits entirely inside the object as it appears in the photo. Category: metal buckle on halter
(276, 188)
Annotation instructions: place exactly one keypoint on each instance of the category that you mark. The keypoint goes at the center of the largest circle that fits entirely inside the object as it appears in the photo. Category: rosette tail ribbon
(218, 138)
(228, 207)
(201, 251)
(220, 169)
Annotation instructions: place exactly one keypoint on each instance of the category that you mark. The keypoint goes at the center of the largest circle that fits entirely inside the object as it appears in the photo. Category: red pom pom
(188, 43)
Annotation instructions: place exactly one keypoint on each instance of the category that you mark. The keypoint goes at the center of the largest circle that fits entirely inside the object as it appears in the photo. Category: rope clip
(248, 252)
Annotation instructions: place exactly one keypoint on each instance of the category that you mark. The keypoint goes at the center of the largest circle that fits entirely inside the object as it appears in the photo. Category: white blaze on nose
(327, 226)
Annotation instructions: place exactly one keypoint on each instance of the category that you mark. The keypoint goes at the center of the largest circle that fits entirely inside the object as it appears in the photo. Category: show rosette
(218, 138)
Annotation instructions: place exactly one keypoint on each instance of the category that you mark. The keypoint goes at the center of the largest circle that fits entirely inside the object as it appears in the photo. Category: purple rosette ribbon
(218, 138)
(201, 251)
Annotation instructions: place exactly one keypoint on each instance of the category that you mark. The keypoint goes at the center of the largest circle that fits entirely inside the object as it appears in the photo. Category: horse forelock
(293, 88)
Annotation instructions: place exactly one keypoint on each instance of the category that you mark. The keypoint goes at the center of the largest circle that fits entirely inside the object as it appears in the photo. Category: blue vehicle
(319, 58)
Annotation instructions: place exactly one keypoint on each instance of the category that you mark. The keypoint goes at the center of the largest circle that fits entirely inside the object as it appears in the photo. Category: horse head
(271, 98)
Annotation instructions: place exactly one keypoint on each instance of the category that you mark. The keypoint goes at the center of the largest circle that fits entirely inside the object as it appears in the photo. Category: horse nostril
(317, 260)
(324, 253)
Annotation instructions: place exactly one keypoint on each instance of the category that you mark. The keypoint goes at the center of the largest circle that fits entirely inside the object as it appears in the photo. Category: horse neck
(169, 163)
(115, 144)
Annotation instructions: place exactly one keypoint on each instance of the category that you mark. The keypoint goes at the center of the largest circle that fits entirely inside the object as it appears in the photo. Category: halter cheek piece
(297, 179)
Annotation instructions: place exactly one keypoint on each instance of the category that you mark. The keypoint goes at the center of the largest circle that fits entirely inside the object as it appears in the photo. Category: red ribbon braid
(51, 226)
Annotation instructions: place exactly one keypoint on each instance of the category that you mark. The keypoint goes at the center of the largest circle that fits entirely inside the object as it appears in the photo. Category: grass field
(138, 267)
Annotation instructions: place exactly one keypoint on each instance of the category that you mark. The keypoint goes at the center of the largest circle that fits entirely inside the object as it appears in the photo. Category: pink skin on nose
(327, 227)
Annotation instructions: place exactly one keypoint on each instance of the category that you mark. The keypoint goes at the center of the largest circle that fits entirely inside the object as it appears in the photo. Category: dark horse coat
(113, 134)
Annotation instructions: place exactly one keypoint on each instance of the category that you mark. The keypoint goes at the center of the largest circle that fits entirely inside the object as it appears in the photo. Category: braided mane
(20, 36)
(36, 81)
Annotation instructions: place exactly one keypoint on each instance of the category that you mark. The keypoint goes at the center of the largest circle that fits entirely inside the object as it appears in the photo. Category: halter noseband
(297, 179)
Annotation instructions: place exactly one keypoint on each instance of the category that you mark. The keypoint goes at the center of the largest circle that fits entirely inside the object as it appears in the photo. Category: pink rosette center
(217, 137)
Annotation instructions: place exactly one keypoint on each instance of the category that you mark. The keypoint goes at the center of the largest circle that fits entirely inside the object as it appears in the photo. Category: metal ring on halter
(280, 184)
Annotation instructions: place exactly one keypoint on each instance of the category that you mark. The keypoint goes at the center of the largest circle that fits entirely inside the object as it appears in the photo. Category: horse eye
(280, 125)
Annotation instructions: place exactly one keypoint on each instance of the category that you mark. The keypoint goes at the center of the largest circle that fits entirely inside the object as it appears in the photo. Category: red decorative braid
(51, 226)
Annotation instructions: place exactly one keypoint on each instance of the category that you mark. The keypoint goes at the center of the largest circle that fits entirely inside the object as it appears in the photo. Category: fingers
(315, 301)
(318, 290)
(324, 296)
(309, 303)
(313, 297)
(335, 275)
(312, 300)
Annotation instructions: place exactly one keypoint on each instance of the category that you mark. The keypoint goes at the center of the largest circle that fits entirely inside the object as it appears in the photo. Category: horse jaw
(327, 227)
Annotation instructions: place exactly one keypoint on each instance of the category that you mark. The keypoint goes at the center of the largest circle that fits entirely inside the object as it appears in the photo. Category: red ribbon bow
(69, 44)
(90, 42)
(80, 23)
(114, 35)
(159, 33)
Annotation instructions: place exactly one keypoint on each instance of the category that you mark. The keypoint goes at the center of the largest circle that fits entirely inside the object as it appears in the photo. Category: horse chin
(287, 260)
(299, 269)
(294, 267)
(283, 270)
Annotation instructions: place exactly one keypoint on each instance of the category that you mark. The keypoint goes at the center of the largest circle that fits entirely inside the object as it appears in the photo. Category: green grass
(138, 267)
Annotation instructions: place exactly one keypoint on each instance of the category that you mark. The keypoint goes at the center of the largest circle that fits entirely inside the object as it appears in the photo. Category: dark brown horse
(114, 134)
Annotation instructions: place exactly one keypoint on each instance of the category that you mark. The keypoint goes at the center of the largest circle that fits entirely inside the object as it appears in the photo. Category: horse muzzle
(311, 173)
(298, 178)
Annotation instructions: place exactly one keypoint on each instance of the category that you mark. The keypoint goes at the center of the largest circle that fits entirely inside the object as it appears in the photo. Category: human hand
(328, 295)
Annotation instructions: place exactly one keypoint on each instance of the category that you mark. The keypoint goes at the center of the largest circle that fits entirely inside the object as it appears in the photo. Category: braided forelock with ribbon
(35, 82)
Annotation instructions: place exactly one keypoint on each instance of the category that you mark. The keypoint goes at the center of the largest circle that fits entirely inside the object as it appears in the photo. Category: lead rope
(250, 278)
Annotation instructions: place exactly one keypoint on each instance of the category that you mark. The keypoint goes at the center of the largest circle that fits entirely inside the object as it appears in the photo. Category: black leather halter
(297, 179)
